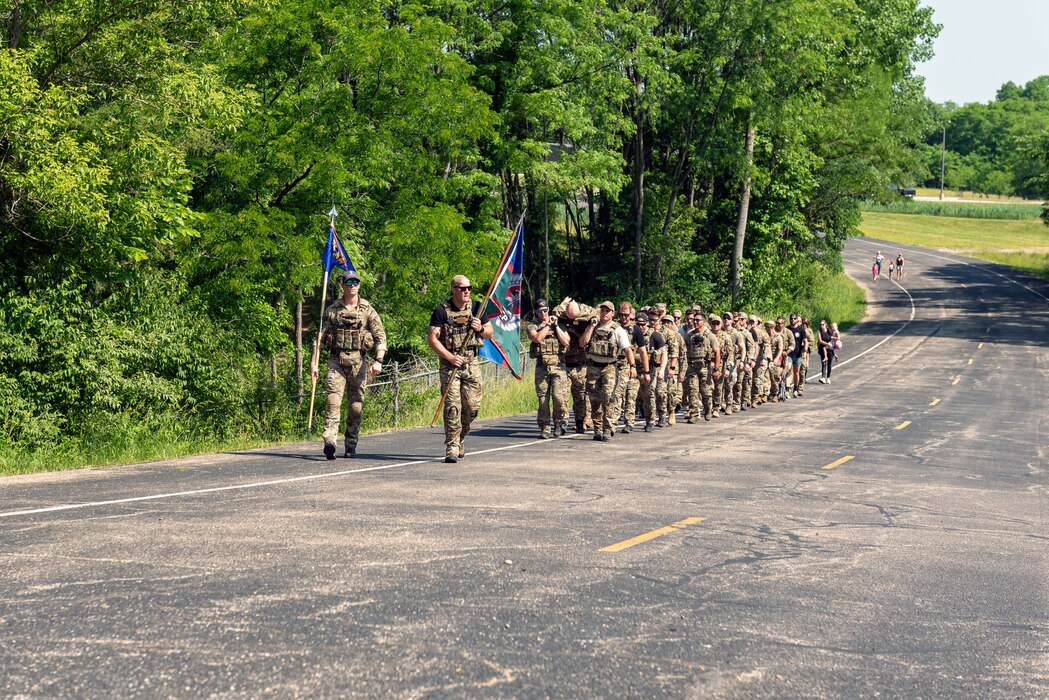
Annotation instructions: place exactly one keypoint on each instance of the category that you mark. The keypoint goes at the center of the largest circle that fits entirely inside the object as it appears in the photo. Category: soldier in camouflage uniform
(779, 352)
(805, 358)
(574, 318)
(351, 328)
(704, 366)
(734, 389)
(638, 389)
(761, 372)
(456, 333)
(624, 371)
(723, 383)
(667, 383)
(746, 386)
(547, 348)
(604, 341)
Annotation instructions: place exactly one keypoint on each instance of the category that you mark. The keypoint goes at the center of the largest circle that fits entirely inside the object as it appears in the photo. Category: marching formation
(605, 364)
(653, 363)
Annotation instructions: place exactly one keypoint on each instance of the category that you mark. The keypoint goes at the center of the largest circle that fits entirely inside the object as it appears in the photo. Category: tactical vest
(455, 333)
(728, 347)
(603, 347)
(647, 345)
(349, 329)
(700, 348)
(751, 342)
(548, 349)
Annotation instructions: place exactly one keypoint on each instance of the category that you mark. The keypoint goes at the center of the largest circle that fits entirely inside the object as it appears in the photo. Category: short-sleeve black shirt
(657, 341)
(439, 317)
(799, 340)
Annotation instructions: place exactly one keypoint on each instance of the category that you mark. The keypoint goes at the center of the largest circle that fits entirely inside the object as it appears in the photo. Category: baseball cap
(667, 318)
(541, 303)
(642, 317)
(607, 305)
(350, 275)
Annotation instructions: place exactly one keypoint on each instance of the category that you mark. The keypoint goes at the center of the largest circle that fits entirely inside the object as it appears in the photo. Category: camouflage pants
(639, 392)
(601, 386)
(761, 379)
(746, 385)
(551, 387)
(338, 380)
(665, 396)
(462, 403)
(737, 385)
(700, 389)
(619, 392)
(723, 386)
(580, 399)
(803, 375)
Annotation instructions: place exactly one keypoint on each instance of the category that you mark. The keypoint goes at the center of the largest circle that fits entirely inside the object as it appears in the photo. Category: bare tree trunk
(741, 225)
(298, 352)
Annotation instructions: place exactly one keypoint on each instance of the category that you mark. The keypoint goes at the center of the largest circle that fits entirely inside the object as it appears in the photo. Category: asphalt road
(917, 568)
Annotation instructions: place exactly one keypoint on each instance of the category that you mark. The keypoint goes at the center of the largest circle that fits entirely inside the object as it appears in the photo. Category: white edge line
(885, 340)
(258, 484)
(919, 251)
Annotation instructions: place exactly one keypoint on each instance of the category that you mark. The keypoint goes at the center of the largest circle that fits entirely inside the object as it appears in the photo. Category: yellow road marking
(934, 402)
(955, 380)
(903, 425)
(980, 346)
(970, 360)
(679, 525)
(839, 462)
(964, 285)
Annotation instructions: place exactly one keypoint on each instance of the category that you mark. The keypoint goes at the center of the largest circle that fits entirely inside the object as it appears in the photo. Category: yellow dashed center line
(980, 346)
(970, 361)
(839, 462)
(934, 402)
(903, 425)
(955, 380)
(679, 525)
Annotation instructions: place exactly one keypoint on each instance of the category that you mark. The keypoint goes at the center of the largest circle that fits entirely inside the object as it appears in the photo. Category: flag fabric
(503, 308)
(335, 254)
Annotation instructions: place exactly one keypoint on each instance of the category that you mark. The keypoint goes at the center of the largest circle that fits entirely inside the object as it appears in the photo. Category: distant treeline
(166, 167)
(1001, 147)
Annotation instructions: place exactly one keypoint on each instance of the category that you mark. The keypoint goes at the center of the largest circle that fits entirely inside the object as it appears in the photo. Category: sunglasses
(352, 283)
(464, 289)
(542, 310)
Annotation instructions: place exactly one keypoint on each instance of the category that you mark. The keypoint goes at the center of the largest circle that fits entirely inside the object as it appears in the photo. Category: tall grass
(961, 210)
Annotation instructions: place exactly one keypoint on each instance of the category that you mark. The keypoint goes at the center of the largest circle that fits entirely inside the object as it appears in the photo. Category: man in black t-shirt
(797, 354)
(456, 333)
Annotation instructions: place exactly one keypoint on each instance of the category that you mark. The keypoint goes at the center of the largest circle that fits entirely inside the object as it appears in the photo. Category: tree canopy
(165, 170)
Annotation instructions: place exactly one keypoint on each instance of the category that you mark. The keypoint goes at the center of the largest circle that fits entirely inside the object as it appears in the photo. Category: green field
(962, 210)
(975, 196)
(1023, 244)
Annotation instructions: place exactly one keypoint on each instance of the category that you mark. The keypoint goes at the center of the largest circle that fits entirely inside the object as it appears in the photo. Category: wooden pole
(316, 354)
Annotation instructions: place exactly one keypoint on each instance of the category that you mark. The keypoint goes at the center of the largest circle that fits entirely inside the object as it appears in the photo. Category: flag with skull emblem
(503, 308)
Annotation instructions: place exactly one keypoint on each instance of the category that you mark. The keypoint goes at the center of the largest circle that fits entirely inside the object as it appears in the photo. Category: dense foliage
(995, 148)
(165, 169)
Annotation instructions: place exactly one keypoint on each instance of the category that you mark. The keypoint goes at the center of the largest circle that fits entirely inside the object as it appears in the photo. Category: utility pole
(943, 155)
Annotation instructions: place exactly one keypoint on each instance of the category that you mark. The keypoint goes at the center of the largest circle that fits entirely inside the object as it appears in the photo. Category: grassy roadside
(1020, 244)
(133, 438)
(972, 196)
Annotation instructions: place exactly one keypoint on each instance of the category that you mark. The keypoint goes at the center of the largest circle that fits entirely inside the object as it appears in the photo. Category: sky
(984, 44)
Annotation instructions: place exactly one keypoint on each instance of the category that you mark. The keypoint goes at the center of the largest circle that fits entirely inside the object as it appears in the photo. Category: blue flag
(503, 308)
(335, 254)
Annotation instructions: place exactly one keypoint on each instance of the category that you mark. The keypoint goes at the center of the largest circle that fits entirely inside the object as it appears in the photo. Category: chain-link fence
(405, 388)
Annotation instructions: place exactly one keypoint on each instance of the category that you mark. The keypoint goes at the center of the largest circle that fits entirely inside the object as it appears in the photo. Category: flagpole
(320, 331)
(491, 286)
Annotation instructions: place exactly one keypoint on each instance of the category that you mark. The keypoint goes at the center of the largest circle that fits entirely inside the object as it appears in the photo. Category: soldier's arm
(536, 334)
(584, 339)
(378, 332)
(644, 359)
(562, 336)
